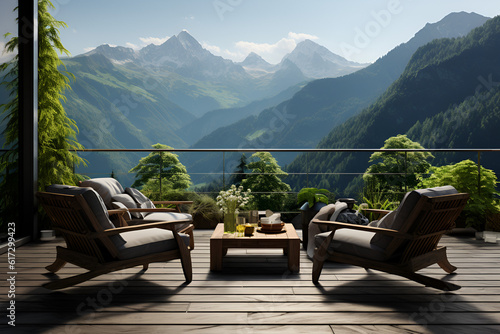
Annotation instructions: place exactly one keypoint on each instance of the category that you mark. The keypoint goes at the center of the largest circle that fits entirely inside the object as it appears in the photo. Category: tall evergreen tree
(265, 181)
(160, 172)
(397, 172)
(240, 171)
(56, 132)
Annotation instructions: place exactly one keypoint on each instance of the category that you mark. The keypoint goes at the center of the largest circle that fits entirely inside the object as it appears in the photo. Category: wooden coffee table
(289, 241)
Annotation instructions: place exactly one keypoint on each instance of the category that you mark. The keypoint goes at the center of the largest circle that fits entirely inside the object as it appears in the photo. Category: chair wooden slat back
(430, 219)
(72, 216)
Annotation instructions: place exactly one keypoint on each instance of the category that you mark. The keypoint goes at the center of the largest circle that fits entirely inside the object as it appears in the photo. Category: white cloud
(301, 37)
(152, 40)
(89, 49)
(132, 46)
(212, 48)
(273, 53)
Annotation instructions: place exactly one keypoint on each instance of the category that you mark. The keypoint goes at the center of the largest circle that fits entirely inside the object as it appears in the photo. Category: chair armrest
(120, 211)
(172, 202)
(176, 203)
(166, 225)
(377, 211)
(152, 210)
(121, 221)
(385, 231)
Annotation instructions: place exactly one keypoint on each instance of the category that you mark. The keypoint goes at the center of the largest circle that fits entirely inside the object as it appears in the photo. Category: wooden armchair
(403, 242)
(94, 243)
(141, 210)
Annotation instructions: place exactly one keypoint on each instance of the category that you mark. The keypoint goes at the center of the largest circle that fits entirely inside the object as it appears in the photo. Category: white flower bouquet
(231, 200)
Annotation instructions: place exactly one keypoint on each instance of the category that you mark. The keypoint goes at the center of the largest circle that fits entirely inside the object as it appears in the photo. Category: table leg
(294, 255)
(216, 254)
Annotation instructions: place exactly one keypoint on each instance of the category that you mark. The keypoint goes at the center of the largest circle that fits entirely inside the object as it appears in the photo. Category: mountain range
(173, 93)
(181, 95)
(327, 103)
(447, 97)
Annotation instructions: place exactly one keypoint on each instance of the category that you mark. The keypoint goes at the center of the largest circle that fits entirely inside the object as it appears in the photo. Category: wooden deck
(255, 293)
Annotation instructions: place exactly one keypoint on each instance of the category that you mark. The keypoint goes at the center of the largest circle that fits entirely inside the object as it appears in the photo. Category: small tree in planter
(464, 177)
(312, 196)
(312, 200)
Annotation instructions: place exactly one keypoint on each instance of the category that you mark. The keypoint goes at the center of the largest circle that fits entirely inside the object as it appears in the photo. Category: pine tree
(160, 172)
(240, 171)
(265, 181)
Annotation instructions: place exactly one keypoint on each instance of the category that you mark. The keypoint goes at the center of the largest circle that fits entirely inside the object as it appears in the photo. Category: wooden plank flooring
(255, 293)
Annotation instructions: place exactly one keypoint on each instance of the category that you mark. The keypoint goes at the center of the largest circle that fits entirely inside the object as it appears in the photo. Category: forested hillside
(446, 72)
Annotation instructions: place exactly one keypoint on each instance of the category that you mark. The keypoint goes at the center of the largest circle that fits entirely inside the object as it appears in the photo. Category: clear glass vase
(230, 222)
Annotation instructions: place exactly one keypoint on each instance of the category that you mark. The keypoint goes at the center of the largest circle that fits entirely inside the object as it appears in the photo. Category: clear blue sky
(271, 28)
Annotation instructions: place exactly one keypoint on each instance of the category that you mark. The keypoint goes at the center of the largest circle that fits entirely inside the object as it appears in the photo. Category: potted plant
(312, 200)
(311, 196)
(206, 214)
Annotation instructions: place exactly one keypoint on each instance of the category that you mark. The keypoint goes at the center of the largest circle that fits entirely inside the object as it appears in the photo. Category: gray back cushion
(106, 187)
(129, 202)
(91, 197)
(399, 217)
(140, 198)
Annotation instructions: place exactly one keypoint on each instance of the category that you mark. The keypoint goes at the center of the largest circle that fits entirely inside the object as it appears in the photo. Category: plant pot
(307, 214)
(201, 222)
(47, 235)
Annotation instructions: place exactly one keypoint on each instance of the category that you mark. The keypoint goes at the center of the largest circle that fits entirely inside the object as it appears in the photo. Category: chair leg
(185, 253)
(317, 268)
(58, 264)
(447, 266)
(73, 280)
(432, 282)
(320, 255)
(145, 266)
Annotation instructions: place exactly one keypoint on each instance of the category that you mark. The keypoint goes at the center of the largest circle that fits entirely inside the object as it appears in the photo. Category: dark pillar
(28, 117)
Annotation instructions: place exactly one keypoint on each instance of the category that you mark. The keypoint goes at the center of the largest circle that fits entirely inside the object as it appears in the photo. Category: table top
(289, 233)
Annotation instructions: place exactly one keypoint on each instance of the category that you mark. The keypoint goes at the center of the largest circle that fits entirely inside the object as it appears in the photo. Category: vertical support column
(28, 116)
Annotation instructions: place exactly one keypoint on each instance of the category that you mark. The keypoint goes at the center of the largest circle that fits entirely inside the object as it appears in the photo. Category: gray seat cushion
(106, 187)
(144, 242)
(353, 242)
(397, 219)
(154, 217)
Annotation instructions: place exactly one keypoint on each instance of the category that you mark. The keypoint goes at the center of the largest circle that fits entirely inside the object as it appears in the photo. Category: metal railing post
(161, 168)
(307, 170)
(406, 171)
(479, 172)
(224, 170)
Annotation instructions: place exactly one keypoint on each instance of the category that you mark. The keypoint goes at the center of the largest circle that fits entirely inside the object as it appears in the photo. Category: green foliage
(205, 206)
(464, 177)
(265, 181)
(240, 171)
(160, 172)
(441, 74)
(312, 196)
(397, 171)
(56, 132)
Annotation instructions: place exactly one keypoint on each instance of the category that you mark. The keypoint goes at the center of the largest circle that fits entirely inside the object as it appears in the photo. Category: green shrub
(312, 196)
(205, 206)
(464, 177)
